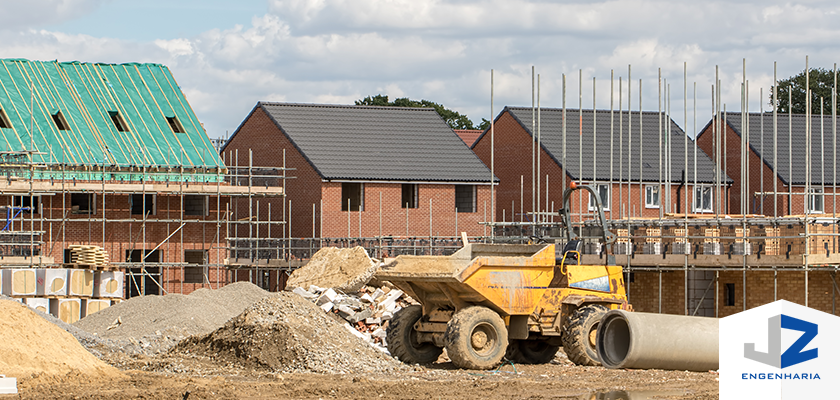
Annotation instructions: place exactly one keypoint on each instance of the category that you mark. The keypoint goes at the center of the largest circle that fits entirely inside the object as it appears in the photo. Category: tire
(402, 338)
(579, 334)
(476, 338)
(531, 351)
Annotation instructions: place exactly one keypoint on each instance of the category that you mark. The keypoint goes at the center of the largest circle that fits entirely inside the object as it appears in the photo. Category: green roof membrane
(111, 115)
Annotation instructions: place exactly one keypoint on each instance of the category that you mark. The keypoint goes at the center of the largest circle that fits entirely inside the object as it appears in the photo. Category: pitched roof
(581, 130)
(377, 143)
(469, 136)
(791, 130)
(116, 115)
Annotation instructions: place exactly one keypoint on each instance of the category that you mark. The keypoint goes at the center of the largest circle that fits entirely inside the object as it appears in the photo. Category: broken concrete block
(386, 316)
(380, 333)
(315, 289)
(327, 306)
(351, 302)
(328, 296)
(366, 298)
(390, 300)
(303, 293)
(360, 316)
(345, 312)
(373, 321)
(377, 294)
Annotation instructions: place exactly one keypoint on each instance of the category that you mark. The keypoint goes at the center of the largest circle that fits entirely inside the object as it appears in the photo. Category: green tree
(821, 82)
(455, 119)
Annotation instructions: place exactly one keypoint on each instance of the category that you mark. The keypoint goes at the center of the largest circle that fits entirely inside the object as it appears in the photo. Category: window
(352, 196)
(26, 203)
(604, 193)
(409, 196)
(82, 203)
(729, 294)
(4, 120)
(136, 256)
(196, 204)
(195, 274)
(118, 121)
(815, 202)
(465, 198)
(651, 196)
(60, 122)
(703, 199)
(175, 125)
(141, 205)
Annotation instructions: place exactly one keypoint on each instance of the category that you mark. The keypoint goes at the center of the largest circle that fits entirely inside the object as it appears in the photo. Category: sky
(228, 55)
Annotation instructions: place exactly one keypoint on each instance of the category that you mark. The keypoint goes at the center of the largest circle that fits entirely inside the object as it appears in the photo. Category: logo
(794, 354)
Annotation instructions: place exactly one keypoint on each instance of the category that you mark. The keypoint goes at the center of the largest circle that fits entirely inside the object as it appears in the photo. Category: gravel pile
(153, 324)
(345, 270)
(287, 333)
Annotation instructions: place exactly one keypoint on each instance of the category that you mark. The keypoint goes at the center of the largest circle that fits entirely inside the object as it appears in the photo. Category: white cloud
(28, 14)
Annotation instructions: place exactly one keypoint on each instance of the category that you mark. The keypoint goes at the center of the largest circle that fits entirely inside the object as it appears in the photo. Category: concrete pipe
(658, 341)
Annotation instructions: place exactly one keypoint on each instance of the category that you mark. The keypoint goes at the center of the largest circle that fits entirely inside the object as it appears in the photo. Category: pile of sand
(287, 333)
(347, 270)
(31, 345)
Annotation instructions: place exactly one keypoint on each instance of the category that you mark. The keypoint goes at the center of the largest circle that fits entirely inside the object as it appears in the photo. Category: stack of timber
(88, 255)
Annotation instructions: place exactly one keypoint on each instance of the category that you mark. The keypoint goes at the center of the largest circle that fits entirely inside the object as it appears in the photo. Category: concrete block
(345, 312)
(52, 281)
(81, 283)
(361, 315)
(8, 385)
(390, 300)
(377, 294)
(38, 303)
(108, 284)
(351, 302)
(303, 293)
(373, 320)
(380, 333)
(327, 306)
(366, 298)
(19, 282)
(315, 289)
(328, 296)
(67, 310)
(386, 316)
(90, 306)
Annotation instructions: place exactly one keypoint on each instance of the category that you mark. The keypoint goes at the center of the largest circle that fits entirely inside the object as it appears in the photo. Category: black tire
(579, 334)
(531, 351)
(476, 338)
(402, 338)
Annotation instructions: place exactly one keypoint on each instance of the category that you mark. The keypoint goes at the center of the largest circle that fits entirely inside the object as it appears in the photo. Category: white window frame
(700, 209)
(605, 203)
(813, 196)
(649, 197)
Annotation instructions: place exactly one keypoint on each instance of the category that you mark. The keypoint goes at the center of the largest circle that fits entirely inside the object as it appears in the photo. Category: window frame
(658, 196)
(697, 209)
(36, 209)
(473, 195)
(813, 196)
(345, 186)
(605, 204)
(414, 197)
(153, 203)
(205, 205)
(91, 202)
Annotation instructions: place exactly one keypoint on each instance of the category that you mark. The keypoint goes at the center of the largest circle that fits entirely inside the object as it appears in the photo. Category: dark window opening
(118, 120)
(4, 120)
(195, 204)
(141, 207)
(82, 203)
(60, 122)
(352, 195)
(175, 125)
(142, 281)
(729, 294)
(29, 204)
(195, 274)
(409, 195)
(136, 256)
(465, 198)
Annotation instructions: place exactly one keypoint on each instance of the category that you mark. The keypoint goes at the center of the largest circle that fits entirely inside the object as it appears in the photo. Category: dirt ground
(196, 378)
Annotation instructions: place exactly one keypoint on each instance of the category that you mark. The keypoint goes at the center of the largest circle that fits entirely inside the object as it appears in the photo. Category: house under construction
(113, 156)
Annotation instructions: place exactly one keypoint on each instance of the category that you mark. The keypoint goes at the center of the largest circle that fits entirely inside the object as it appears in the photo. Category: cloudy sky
(227, 55)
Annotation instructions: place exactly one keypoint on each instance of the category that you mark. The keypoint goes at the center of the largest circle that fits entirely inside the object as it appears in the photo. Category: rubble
(345, 270)
(366, 312)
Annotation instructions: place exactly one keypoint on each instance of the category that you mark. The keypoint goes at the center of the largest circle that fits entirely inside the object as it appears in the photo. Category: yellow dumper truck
(488, 301)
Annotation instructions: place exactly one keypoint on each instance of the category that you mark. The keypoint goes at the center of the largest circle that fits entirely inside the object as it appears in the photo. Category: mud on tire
(402, 338)
(531, 351)
(579, 334)
(476, 338)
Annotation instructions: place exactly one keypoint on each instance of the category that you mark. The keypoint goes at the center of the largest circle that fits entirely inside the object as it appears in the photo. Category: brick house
(790, 175)
(364, 172)
(112, 155)
(624, 141)
(469, 136)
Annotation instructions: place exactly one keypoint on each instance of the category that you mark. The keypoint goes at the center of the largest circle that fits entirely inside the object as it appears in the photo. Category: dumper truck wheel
(476, 338)
(531, 351)
(402, 338)
(579, 334)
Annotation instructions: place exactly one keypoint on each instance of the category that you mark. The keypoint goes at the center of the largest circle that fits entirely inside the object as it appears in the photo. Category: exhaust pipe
(657, 341)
